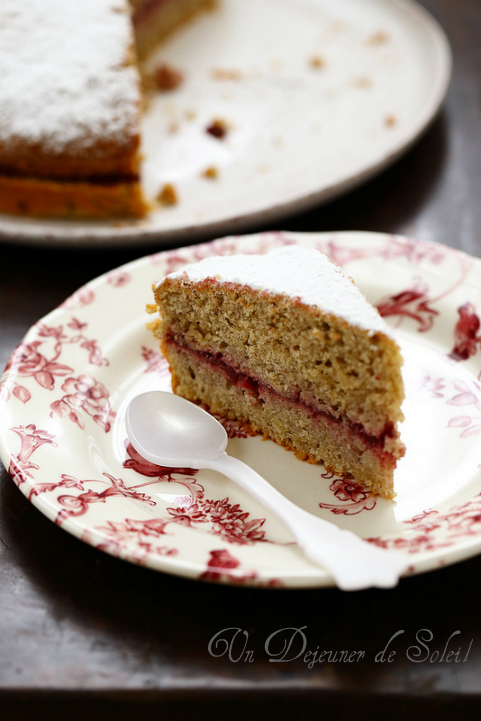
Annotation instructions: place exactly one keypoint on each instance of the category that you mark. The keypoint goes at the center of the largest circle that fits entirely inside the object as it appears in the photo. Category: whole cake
(286, 344)
(70, 102)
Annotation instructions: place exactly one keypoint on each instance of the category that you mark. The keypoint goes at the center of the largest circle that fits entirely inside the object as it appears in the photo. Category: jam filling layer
(108, 179)
(259, 389)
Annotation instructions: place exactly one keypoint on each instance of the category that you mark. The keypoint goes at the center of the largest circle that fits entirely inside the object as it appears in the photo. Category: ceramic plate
(317, 95)
(64, 442)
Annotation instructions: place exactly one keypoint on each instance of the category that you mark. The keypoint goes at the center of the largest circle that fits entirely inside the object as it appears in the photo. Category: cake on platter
(287, 345)
(70, 102)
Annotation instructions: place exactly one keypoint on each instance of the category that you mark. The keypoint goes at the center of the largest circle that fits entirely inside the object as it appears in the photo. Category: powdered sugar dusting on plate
(65, 72)
(297, 272)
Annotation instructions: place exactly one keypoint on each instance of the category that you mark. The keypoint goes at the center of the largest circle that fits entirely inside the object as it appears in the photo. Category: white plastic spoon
(169, 431)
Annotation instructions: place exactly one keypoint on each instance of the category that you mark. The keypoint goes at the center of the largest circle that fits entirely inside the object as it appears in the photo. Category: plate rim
(20, 230)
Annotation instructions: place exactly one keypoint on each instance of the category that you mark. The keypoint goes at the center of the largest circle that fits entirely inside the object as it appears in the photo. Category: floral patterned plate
(63, 439)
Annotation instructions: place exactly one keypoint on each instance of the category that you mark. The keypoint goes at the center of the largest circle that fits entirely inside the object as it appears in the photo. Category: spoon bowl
(163, 425)
(170, 431)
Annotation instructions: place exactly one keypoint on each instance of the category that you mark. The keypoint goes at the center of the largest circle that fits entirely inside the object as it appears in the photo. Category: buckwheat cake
(70, 102)
(286, 344)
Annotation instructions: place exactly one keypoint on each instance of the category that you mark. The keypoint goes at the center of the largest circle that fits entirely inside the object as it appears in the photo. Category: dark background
(83, 634)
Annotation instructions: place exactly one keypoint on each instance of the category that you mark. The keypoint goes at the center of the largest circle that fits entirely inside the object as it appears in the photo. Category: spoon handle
(354, 563)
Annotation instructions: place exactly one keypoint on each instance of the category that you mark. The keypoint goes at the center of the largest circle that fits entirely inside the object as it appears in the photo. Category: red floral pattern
(396, 248)
(412, 303)
(154, 361)
(31, 439)
(133, 540)
(432, 530)
(471, 425)
(65, 482)
(81, 298)
(465, 395)
(78, 505)
(224, 567)
(84, 396)
(433, 387)
(27, 361)
(226, 520)
(162, 473)
(466, 333)
(119, 278)
(354, 498)
(234, 429)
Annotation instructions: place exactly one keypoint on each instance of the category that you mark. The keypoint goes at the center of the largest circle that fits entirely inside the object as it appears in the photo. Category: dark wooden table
(83, 635)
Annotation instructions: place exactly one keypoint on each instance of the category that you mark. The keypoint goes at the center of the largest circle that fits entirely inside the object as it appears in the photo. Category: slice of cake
(286, 344)
(70, 103)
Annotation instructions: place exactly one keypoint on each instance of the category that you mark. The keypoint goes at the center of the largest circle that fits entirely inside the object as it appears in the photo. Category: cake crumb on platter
(168, 195)
(226, 74)
(317, 62)
(378, 38)
(211, 172)
(168, 78)
(362, 82)
(218, 128)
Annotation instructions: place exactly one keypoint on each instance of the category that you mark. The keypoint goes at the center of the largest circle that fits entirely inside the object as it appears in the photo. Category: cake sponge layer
(294, 348)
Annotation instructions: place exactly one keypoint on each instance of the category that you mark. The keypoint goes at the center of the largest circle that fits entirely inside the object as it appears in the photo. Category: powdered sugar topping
(65, 72)
(297, 272)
